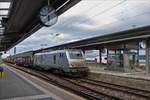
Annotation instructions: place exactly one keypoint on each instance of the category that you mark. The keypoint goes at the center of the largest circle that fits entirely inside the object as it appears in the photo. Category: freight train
(68, 62)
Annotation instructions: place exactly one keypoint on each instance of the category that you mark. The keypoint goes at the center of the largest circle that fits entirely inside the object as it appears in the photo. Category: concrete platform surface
(137, 75)
(18, 85)
(14, 87)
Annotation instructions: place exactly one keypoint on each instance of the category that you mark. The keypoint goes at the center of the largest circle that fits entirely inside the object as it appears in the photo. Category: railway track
(91, 89)
(121, 92)
(130, 90)
(79, 89)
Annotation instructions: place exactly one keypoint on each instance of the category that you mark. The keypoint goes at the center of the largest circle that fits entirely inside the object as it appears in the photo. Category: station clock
(48, 16)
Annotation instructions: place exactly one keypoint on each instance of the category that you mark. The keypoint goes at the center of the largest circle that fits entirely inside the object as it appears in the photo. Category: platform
(17, 85)
(138, 75)
(14, 86)
(139, 80)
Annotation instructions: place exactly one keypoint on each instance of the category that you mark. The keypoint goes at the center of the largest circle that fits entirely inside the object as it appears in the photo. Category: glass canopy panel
(4, 5)
(1, 30)
(3, 12)
(1, 16)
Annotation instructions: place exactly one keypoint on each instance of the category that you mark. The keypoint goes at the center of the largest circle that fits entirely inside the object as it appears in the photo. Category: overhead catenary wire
(121, 12)
(123, 20)
(100, 13)
(89, 9)
(71, 22)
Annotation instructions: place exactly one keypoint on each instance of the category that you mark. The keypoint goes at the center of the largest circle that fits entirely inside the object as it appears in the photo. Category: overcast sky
(90, 18)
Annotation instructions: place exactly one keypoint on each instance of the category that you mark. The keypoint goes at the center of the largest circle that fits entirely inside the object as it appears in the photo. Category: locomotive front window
(75, 54)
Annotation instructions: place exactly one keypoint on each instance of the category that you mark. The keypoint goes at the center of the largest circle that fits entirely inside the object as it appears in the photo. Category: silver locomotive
(70, 62)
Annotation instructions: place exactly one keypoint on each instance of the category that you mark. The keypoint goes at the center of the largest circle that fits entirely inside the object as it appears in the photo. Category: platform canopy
(19, 18)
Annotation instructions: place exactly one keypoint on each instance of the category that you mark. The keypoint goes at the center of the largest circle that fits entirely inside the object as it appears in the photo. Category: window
(74, 54)
(61, 55)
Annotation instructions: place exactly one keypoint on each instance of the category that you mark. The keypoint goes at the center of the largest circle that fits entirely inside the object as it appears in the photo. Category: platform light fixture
(3, 12)
(2, 30)
(4, 5)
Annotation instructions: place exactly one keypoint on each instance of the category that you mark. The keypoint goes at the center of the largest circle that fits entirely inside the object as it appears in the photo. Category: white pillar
(126, 62)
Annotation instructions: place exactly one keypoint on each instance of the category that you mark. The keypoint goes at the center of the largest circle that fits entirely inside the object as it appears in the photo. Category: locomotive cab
(76, 58)
(76, 61)
(70, 62)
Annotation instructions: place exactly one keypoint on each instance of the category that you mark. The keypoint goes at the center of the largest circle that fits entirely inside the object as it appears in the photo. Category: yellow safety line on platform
(2, 74)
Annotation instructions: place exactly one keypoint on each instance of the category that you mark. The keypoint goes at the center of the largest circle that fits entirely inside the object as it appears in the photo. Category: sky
(89, 18)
